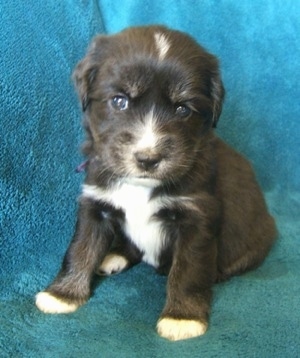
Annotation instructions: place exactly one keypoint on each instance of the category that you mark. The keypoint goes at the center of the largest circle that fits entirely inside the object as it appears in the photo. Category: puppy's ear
(83, 77)
(217, 94)
(87, 69)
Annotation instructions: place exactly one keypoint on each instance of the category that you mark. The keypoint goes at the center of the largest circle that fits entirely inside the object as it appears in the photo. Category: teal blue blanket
(258, 43)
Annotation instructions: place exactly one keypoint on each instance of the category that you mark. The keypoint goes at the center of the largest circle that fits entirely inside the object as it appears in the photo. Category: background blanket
(258, 43)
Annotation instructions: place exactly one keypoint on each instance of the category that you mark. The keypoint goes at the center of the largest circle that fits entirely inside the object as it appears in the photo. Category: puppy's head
(150, 97)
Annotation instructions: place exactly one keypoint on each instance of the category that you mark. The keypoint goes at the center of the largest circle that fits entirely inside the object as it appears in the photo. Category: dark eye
(183, 111)
(120, 102)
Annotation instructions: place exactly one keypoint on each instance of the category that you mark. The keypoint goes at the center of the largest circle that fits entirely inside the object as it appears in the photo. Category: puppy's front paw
(178, 329)
(112, 264)
(48, 303)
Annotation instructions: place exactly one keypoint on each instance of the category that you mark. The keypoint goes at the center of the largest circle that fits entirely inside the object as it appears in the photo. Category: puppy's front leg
(92, 240)
(191, 277)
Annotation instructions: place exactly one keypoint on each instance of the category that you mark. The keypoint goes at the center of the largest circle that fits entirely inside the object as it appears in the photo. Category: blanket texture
(258, 43)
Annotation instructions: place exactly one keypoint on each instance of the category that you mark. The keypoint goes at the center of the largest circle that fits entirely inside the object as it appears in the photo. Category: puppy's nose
(147, 161)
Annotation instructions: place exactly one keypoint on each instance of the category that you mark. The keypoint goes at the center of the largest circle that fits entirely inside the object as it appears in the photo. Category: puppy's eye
(183, 111)
(120, 102)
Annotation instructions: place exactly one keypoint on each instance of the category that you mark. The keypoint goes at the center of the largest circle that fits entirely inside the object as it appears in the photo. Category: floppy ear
(86, 70)
(217, 94)
(83, 77)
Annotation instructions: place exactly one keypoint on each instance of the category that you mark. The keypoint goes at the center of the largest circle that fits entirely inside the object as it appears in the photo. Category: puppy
(160, 187)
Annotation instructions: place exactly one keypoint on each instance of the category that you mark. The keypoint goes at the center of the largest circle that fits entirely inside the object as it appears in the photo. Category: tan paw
(178, 329)
(113, 263)
(47, 303)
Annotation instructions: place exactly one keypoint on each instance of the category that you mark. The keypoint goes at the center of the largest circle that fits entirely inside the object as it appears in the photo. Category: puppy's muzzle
(147, 161)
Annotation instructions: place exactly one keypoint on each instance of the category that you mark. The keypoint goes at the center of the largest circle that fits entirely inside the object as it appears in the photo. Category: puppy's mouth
(143, 181)
(145, 177)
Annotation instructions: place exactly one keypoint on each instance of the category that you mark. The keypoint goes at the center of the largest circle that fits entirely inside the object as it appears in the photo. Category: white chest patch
(134, 200)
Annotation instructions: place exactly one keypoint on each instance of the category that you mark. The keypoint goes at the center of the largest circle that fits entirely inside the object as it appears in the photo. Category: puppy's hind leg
(249, 256)
(123, 256)
(113, 263)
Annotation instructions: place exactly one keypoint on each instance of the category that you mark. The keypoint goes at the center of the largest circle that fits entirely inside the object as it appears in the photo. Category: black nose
(147, 161)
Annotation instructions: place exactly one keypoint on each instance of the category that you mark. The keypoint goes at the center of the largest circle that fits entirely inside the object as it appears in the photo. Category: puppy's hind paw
(113, 264)
(48, 303)
(179, 329)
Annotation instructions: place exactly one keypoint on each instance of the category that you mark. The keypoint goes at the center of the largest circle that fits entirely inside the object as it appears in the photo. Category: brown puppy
(160, 186)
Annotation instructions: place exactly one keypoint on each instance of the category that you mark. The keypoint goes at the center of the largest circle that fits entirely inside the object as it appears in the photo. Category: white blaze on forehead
(148, 137)
(162, 44)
